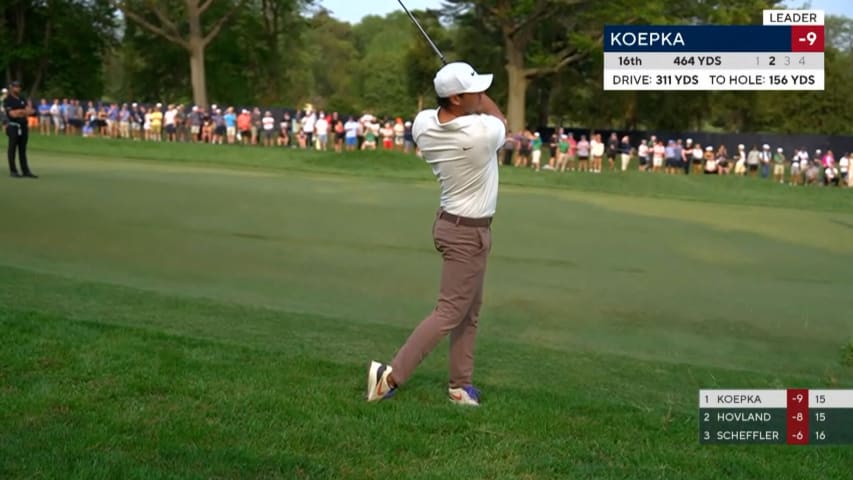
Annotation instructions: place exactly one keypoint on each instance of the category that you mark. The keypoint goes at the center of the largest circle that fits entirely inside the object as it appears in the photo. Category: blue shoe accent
(472, 392)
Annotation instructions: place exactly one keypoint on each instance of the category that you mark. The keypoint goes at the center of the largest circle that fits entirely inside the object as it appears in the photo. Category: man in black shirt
(17, 111)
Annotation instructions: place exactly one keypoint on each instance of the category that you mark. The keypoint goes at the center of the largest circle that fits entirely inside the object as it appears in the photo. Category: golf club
(431, 44)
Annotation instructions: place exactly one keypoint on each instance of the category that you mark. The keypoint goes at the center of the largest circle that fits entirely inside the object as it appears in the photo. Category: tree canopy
(546, 56)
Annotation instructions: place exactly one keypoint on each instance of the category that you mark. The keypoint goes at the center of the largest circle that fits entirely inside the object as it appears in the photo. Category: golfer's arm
(17, 113)
(491, 108)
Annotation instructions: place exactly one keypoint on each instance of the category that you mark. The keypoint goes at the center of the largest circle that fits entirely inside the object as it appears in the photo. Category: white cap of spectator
(779, 149)
(740, 147)
(765, 146)
(459, 77)
(709, 148)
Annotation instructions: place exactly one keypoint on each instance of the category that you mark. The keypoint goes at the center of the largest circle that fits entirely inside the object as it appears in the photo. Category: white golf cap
(459, 77)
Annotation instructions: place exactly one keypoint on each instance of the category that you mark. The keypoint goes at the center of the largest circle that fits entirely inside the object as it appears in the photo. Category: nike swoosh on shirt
(466, 148)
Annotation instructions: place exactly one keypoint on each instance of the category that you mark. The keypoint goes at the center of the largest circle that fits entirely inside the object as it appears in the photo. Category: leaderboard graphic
(785, 53)
(784, 417)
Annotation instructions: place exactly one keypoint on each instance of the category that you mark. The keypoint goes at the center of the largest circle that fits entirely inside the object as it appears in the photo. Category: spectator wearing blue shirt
(669, 158)
(44, 117)
(230, 119)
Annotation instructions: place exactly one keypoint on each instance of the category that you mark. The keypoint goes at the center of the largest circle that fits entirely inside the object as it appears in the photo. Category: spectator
(232, 126)
(643, 155)
(779, 165)
(509, 148)
(711, 164)
(723, 167)
(658, 153)
(44, 117)
(387, 133)
(268, 126)
(553, 154)
(322, 130)
(524, 140)
(284, 131)
(309, 121)
(408, 138)
(255, 126)
(597, 152)
(625, 152)
(612, 150)
(766, 158)
(583, 154)
(536, 150)
(156, 120)
(351, 134)
(753, 160)
(399, 134)
(562, 153)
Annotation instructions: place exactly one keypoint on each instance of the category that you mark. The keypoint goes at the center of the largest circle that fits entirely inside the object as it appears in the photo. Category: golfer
(17, 111)
(459, 140)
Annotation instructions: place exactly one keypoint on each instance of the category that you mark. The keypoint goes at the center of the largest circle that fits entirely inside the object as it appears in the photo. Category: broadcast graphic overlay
(784, 417)
(785, 53)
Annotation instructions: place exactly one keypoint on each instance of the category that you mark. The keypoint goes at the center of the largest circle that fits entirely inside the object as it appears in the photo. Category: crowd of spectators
(563, 152)
(312, 129)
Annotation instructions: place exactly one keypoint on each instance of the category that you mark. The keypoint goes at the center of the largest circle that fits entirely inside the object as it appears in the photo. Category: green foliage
(56, 47)
(280, 52)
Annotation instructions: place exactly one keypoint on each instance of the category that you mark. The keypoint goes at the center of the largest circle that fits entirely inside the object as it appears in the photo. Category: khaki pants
(464, 250)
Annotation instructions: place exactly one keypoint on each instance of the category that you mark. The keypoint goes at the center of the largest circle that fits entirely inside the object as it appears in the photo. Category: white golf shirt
(463, 156)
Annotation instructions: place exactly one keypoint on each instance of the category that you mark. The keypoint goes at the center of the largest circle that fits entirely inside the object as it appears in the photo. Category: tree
(542, 37)
(54, 46)
(839, 33)
(421, 60)
(194, 40)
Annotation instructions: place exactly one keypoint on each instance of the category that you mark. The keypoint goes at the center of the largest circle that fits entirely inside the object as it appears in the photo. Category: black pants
(18, 141)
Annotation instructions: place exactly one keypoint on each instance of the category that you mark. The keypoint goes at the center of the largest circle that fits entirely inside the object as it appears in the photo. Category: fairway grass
(175, 311)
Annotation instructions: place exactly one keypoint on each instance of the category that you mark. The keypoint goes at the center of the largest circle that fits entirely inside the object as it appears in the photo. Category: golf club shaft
(431, 44)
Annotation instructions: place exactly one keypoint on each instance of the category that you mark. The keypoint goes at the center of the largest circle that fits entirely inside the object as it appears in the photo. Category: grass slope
(172, 311)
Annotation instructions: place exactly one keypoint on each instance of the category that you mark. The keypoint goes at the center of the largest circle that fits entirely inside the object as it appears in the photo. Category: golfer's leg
(22, 153)
(459, 285)
(12, 133)
(462, 339)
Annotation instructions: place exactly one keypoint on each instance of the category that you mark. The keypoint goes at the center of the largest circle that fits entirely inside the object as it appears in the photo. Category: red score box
(807, 38)
(798, 416)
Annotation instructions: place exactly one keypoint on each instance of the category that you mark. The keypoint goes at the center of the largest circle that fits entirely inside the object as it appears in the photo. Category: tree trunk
(543, 110)
(517, 86)
(197, 73)
(196, 51)
(21, 23)
(43, 61)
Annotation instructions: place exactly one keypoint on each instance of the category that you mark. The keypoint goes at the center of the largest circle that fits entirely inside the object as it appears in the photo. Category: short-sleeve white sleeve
(495, 131)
